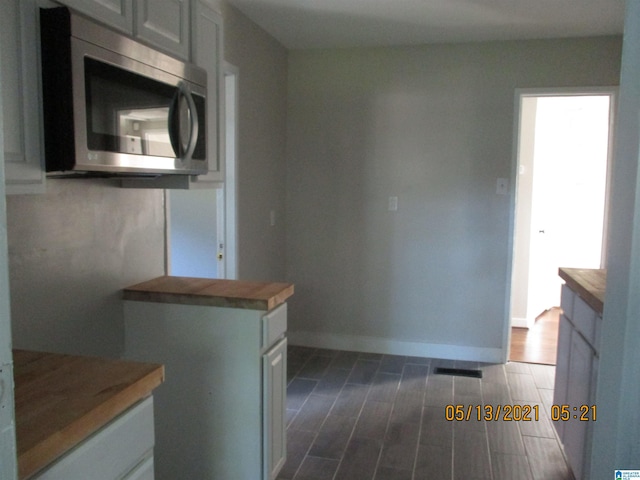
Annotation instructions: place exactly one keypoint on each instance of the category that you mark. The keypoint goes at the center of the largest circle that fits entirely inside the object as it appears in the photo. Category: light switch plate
(393, 204)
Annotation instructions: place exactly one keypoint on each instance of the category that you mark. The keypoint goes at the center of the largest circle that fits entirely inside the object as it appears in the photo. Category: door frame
(519, 95)
(230, 74)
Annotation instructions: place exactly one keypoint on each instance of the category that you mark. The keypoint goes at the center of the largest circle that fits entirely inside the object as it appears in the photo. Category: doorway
(202, 239)
(563, 158)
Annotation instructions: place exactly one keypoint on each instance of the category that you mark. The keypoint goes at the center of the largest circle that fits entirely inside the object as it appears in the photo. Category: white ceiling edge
(302, 24)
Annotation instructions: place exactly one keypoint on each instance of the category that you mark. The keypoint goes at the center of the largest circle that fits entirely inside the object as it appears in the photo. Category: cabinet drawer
(144, 471)
(274, 325)
(584, 319)
(112, 451)
(566, 301)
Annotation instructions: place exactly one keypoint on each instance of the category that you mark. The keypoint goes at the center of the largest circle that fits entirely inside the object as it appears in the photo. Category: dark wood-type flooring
(358, 416)
(538, 344)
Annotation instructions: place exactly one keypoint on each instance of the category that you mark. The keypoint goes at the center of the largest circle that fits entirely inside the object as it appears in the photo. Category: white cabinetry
(220, 413)
(164, 24)
(161, 23)
(115, 13)
(206, 52)
(575, 384)
(122, 450)
(20, 69)
(274, 392)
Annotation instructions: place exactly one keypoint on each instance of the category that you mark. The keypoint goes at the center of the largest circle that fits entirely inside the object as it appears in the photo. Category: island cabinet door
(578, 394)
(562, 369)
(274, 392)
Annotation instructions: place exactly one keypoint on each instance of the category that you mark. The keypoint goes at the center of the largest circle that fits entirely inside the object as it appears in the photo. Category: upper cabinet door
(115, 13)
(207, 53)
(20, 69)
(165, 24)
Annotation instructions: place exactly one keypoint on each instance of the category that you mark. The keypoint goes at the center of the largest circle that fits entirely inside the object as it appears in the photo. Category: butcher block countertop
(590, 284)
(60, 400)
(211, 292)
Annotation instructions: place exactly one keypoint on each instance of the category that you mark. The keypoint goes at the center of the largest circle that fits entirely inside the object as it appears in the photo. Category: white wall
(262, 99)
(617, 431)
(432, 125)
(71, 251)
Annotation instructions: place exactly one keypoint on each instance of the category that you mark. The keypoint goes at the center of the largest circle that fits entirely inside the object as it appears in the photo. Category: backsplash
(71, 251)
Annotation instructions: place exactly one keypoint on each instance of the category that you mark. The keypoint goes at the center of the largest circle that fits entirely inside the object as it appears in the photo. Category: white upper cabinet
(161, 23)
(20, 97)
(207, 53)
(164, 24)
(115, 13)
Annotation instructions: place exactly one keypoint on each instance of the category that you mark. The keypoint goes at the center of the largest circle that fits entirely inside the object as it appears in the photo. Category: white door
(194, 233)
(561, 199)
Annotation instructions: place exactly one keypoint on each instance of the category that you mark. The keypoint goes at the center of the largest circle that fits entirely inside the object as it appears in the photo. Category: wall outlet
(393, 204)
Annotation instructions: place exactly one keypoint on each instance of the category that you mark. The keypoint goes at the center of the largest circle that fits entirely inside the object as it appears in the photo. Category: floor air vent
(460, 372)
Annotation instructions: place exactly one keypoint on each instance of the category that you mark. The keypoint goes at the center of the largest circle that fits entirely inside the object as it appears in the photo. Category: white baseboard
(523, 322)
(357, 343)
(519, 322)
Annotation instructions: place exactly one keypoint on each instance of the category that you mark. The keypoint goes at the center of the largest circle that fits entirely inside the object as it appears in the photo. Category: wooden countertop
(211, 292)
(62, 399)
(590, 284)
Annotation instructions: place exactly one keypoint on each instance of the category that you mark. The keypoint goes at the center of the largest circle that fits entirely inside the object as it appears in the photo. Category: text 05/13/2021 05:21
(518, 413)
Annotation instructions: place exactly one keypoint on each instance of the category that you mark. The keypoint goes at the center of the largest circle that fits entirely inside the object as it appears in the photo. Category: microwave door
(112, 105)
(183, 123)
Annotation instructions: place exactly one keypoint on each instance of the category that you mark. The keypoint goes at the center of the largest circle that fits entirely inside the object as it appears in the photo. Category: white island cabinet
(221, 412)
(574, 406)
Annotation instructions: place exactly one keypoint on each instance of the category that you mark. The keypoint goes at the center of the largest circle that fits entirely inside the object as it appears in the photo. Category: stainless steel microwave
(113, 106)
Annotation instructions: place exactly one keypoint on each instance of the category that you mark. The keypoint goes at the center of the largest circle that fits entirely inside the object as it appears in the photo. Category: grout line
(421, 421)
(359, 411)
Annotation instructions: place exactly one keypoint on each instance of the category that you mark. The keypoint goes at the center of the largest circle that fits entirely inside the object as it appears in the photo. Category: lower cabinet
(274, 377)
(122, 450)
(575, 383)
(221, 411)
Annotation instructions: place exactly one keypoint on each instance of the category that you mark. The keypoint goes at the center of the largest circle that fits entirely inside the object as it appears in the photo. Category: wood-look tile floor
(358, 416)
(538, 344)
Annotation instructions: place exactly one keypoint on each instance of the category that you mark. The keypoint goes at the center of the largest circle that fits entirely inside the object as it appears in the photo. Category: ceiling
(300, 24)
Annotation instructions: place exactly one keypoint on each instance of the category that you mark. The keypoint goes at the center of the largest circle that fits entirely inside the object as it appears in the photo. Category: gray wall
(432, 125)
(262, 64)
(71, 251)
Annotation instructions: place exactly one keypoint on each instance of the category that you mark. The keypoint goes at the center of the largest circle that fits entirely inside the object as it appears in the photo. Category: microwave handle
(183, 151)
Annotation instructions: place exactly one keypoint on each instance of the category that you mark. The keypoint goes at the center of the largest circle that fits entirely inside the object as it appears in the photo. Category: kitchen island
(63, 402)
(590, 284)
(582, 303)
(222, 412)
